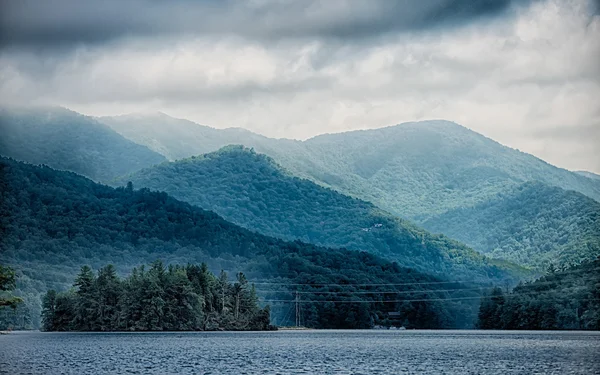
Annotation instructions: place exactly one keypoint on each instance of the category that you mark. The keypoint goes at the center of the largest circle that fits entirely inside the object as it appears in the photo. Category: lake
(302, 352)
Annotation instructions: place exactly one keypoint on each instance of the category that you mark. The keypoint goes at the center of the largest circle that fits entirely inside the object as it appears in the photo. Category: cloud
(53, 23)
(517, 77)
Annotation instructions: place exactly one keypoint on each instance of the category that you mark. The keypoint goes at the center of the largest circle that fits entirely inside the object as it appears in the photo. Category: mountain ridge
(406, 168)
(253, 191)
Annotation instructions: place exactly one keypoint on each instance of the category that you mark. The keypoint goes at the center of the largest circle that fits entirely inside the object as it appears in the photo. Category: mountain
(251, 190)
(534, 225)
(67, 140)
(425, 168)
(176, 138)
(415, 170)
(53, 221)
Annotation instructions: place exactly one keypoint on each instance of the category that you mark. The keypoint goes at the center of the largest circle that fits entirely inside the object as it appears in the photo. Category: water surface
(302, 352)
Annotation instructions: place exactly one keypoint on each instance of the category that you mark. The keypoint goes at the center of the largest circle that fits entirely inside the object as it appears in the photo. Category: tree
(49, 311)
(108, 287)
(87, 302)
(7, 283)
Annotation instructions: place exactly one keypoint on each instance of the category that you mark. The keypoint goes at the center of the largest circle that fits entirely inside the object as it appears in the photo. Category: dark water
(302, 352)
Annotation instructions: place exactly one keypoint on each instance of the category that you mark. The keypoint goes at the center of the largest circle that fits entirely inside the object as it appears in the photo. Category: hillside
(426, 168)
(415, 170)
(250, 190)
(67, 140)
(52, 222)
(534, 225)
(562, 299)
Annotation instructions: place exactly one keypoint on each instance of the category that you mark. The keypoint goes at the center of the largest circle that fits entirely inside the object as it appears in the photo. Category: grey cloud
(53, 23)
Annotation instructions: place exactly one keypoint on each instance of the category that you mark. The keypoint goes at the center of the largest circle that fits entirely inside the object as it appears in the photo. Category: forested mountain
(251, 190)
(67, 140)
(533, 225)
(563, 299)
(415, 170)
(54, 221)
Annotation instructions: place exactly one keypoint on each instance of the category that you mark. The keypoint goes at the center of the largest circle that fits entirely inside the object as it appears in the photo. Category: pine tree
(86, 308)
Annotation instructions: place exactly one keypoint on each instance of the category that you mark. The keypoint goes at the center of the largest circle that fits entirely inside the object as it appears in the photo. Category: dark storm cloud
(67, 22)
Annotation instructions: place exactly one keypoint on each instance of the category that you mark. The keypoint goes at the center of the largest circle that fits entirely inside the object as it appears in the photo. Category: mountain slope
(562, 299)
(67, 140)
(176, 138)
(533, 225)
(426, 168)
(250, 190)
(52, 222)
(587, 174)
(415, 170)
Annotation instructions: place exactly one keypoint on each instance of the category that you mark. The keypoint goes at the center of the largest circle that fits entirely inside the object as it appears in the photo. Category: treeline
(568, 299)
(157, 298)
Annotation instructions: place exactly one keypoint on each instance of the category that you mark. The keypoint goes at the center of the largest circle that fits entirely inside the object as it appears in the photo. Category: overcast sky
(525, 73)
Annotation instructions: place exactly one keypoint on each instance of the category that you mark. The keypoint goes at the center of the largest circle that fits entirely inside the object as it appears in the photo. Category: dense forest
(562, 299)
(159, 298)
(533, 225)
(250, 190)
(67, 140)
(54, 221)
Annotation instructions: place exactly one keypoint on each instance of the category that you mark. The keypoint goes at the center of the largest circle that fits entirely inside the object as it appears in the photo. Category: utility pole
(297, 310)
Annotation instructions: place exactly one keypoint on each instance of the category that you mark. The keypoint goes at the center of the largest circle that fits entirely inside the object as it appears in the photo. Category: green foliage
(532, 225)
(53, 221)
(67, 140)
(7, 282)
(566, 299)
(153, 299)
(250, 190)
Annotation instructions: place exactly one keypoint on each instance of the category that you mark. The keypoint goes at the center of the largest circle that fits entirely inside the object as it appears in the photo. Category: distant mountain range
(502, 202)
(251, 190)
(415, 170)
(67, 140)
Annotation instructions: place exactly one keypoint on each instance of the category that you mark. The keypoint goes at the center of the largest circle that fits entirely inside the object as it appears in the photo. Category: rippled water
(302, 352)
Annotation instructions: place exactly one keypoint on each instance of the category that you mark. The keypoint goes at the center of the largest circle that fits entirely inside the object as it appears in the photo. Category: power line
(414, 283)
(381, 284)
(405, 300)
(318, 291)
(375, 292)
(509, 295)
